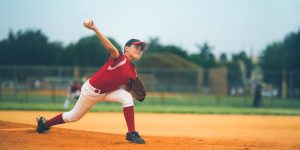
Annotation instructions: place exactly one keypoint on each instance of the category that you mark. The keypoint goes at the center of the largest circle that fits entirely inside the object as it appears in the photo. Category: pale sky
(227, 25)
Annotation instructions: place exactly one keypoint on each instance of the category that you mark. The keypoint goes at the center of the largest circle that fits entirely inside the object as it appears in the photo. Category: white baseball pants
(88, 97)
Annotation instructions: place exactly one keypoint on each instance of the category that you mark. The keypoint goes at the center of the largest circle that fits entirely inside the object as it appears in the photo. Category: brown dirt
(172, 131)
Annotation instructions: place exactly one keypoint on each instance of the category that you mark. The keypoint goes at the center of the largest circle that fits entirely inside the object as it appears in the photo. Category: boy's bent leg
(82, 106)
(86, 100)
(125, 98)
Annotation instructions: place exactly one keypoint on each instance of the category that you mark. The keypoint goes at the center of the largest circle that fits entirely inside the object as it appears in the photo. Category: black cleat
(134, 137)
(41, 125)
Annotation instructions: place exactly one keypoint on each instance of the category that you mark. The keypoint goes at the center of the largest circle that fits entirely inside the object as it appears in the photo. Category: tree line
(32, 47)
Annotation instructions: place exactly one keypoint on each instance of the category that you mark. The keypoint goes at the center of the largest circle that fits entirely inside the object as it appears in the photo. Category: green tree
(234, 75)
(205, 57)
(155, 46)
(280, 57)
(239, 68)
(88, 51)
(30, 47)
(223, 59)
(246, 62)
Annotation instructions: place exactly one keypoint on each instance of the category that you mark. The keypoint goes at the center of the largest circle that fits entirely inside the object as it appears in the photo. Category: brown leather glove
(137, 89)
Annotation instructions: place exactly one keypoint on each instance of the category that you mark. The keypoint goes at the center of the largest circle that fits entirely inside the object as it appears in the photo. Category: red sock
(129, 117)
(55, 121)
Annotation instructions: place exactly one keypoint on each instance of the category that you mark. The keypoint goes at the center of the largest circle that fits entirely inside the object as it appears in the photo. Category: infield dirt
(161, 131)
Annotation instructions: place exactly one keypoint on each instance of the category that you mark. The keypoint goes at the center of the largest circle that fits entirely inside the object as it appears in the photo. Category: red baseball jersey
(113, 74)
(75, 87)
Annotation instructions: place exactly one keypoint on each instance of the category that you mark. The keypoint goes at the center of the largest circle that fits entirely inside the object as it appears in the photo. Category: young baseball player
(73, 93)
(104, 86)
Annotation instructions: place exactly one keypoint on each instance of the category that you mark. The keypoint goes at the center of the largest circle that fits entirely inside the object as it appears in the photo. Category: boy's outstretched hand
(88, 23)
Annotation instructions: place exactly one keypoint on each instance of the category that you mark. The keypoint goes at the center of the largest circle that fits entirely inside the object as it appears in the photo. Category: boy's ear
(126, 48)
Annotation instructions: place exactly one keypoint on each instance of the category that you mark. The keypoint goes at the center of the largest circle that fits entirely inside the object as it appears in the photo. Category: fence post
(153, 82)
(199, 80)
(284, 86)
(291, 88)
(15, 83)
(257, 96)
(76, 73)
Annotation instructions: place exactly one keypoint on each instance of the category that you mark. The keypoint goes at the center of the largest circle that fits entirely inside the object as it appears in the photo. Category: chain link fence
(36, 83)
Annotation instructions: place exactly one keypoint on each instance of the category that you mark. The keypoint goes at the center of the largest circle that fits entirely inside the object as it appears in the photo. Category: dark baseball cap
(136, 42)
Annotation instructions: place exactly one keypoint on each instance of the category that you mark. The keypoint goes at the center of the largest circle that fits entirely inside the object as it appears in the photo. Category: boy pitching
(104, 86)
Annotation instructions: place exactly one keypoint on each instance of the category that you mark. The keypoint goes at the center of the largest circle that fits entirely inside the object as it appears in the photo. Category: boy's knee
(68, 117)
(127, 99)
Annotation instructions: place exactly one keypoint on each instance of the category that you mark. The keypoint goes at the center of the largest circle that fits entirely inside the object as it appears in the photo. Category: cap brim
(144, 45)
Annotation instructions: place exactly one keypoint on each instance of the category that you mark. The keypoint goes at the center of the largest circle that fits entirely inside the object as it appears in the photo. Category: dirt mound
(23, 136)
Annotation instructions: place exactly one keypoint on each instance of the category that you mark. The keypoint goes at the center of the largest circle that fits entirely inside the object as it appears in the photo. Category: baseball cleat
(134, 137)
(41, 125)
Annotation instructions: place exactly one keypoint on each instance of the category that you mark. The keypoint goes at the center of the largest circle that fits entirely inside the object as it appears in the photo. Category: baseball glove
(137, 89)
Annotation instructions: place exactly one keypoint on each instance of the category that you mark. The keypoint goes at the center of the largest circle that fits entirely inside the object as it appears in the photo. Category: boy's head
(134, 48)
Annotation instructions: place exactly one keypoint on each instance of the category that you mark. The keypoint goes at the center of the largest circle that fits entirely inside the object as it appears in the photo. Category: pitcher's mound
(23, 136)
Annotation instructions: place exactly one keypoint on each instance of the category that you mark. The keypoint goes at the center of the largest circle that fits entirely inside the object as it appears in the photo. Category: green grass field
(163, 104)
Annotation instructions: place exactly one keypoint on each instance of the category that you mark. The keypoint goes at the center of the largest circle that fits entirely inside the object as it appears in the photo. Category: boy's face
(135, 51)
